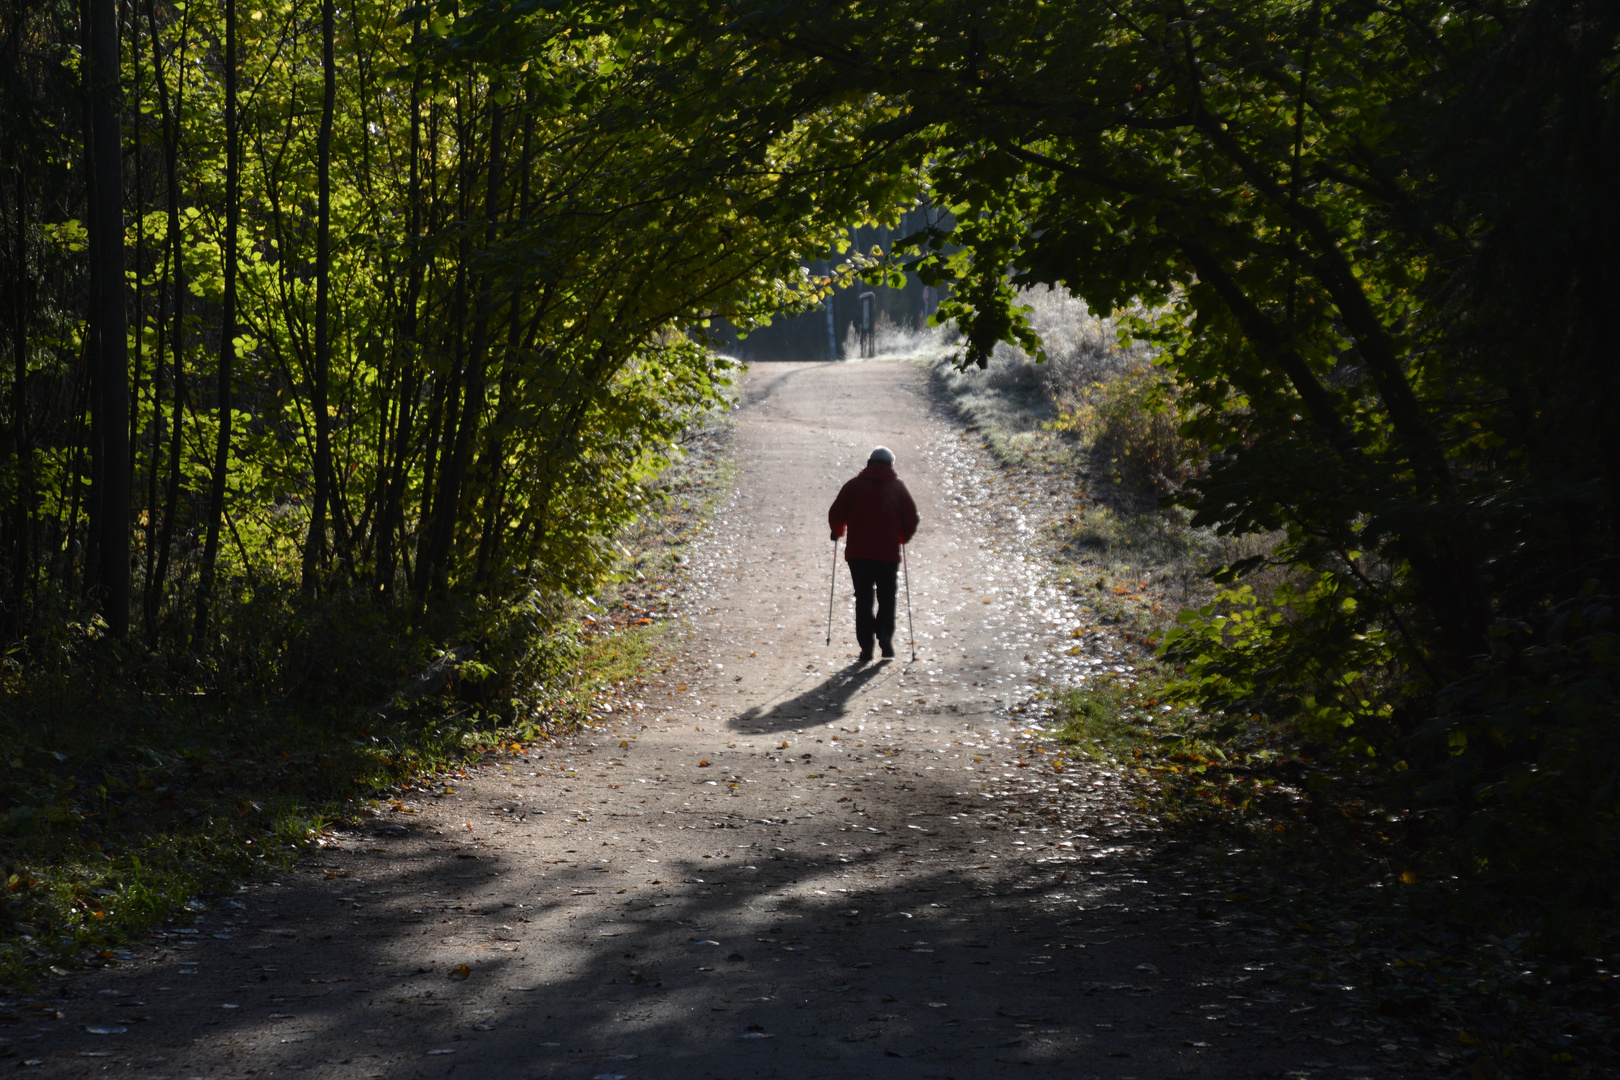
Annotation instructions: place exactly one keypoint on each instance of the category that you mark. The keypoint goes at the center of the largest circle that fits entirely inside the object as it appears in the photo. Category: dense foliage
(418, 324)
(408, 304)
(1377, 235)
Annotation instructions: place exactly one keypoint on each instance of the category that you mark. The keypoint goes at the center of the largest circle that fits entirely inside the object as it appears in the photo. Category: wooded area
(456, 330)
(315, 304)
(1376, 238)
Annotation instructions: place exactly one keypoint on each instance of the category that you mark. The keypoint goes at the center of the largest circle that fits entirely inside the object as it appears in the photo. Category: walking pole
(909, 624)
(831, 585)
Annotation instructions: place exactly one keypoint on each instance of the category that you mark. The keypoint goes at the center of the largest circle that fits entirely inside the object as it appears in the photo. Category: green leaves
(1298, 653)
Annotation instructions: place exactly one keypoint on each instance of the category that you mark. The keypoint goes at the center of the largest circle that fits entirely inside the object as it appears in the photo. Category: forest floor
(783, 863)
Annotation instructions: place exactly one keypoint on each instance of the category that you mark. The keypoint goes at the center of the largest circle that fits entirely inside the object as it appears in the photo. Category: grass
(1301, 843)
(1191, 770)
(117, 820)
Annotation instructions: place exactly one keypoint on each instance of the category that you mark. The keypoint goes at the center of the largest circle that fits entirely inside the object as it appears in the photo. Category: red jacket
(879, 512)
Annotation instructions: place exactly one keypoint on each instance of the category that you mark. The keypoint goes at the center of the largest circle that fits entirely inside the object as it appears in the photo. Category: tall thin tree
(170, 119)
(227, 334)
(22, 510)
(111, 383)
(315, 539)
(21, 571)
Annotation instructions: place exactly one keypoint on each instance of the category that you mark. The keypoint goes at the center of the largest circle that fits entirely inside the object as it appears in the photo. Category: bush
(1131, 425)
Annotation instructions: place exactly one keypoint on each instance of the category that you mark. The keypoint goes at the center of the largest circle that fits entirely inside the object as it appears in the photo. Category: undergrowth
(1321, 845)
(1096, 422)
(116, 814)
(130, 791)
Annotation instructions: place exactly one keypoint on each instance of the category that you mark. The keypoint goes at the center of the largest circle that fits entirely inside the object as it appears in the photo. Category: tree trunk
(22, 560)
(459, 450)
(227, 336)
(391, 459)
(111, 429)
(315, 539)
(170, 118)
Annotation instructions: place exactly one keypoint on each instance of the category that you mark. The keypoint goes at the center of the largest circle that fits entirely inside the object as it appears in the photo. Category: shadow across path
(891, 939)
(825, 702)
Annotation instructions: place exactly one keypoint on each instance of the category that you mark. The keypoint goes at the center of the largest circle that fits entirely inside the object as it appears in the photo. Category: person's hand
(835, 538)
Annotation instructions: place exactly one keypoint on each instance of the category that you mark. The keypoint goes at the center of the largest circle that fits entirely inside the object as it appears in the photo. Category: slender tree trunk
(442, 423)
(391, 518)
(111, 436)
(459, 450)
(227, 337)
(391, 515)
(139, 329)
(171, 164)
(154, 432)
(82, 549)
(492, 465)
(495, 451)
(76, 470)
(23, 559)
(155, 427)
(315, 539)
(433, 437)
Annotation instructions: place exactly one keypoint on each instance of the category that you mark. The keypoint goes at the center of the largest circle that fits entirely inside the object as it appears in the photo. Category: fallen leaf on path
(461, 972)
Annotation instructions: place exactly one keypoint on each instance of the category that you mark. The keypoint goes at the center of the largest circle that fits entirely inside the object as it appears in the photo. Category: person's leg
(861, 570)
(885, 585)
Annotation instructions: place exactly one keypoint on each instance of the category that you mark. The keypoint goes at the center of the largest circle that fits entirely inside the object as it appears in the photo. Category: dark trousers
(874, 579)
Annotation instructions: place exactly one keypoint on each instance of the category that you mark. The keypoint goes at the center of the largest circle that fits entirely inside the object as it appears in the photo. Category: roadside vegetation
(1293, 823)
(1095, 426)
(128, 796)
(322, 371)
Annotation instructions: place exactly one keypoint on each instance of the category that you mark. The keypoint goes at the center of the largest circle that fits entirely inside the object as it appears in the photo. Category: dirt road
(782, 864)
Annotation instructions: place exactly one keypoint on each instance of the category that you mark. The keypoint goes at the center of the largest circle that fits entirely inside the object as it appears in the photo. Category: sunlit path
(784, 866)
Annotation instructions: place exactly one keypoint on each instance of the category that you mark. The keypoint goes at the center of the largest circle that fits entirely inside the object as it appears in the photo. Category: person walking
(877, 510)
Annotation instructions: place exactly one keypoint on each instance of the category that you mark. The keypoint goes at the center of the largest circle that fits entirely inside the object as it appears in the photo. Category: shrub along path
(775, 864)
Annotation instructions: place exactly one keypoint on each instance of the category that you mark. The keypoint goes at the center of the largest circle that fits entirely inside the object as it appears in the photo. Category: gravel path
(780, 864)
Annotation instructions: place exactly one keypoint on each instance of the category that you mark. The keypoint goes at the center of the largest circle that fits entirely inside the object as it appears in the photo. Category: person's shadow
(817, 705)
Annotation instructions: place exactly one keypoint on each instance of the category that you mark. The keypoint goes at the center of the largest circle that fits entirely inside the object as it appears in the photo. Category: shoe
(887, 646)
(866, 655)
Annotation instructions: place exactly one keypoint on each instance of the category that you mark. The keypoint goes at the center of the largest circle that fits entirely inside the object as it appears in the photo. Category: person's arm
(838, 513)
(908, 512)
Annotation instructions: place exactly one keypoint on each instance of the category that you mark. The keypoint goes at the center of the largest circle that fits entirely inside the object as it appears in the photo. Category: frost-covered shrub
(1081, 348)
(1110, 397)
